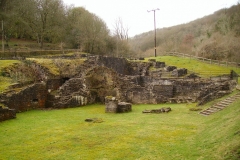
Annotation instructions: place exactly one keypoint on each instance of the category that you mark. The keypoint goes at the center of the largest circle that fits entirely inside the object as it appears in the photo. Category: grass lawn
(203, 68)
(179, 134)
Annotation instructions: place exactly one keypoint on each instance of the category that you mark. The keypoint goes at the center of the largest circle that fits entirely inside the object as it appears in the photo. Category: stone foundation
(124, 107)
(134, 82)
(6, 113)
(113, 106)
(31, 97)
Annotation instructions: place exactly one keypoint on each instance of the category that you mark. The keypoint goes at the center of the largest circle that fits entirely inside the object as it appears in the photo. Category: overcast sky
(134, 13)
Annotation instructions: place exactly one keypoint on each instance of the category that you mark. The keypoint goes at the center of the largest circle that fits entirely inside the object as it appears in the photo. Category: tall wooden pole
(155, 39)
(2, 38)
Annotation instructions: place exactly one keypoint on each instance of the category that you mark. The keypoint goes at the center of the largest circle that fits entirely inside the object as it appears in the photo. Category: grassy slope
(204, 69)
(180, 134)
(50, 64)
(5, 81)
(195, 65)
(220, 136)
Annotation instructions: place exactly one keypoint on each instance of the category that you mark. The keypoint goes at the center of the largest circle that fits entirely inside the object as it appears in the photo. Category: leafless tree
(120, 30)
(121, 35)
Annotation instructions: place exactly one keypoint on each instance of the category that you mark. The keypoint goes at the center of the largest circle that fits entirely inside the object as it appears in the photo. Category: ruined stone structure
(132, 82)
(6, 113)
(29, 97)
(113, 106)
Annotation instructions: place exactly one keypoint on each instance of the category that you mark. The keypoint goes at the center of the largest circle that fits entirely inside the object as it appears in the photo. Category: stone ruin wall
(6, 113)
(31, 97)
(132, 83)
(72, 93)
(178, 92)
(114, 106)
(216, 90)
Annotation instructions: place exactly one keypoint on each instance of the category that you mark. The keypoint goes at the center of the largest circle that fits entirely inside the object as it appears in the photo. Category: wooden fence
(210, 61)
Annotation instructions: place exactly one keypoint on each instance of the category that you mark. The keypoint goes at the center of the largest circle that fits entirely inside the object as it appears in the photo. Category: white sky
(134, 13)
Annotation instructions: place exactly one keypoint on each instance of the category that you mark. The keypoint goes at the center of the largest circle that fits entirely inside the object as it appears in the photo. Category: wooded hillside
(48, 22)
(216, 36)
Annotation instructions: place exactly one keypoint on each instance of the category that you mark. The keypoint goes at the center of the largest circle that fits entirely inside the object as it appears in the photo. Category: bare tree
(121, 34)
(120, 30)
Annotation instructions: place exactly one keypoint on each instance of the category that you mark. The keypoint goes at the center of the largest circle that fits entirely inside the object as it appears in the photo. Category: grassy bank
(179, 134)
(5, 82)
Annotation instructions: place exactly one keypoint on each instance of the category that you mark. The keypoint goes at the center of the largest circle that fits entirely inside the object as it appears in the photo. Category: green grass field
(205, 69)
(202, 69)
(179, 134)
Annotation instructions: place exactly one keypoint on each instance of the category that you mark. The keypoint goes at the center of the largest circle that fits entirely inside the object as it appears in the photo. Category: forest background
(53, 25)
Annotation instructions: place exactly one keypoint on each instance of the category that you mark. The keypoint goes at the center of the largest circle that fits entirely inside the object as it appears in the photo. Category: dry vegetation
(215, 36)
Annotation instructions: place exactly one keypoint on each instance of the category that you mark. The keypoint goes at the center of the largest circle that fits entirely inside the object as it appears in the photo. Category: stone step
(236, 97)
(205, 113)
(231, 98)
(210, 110)
(221, 105)
(218, 107)
(228, 101)
(224, 103)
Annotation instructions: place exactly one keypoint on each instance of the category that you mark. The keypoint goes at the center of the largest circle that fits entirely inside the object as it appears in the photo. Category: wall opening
(65, 79)
(35, 100)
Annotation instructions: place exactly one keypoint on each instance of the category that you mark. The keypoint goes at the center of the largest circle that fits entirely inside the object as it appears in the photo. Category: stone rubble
(129, 81)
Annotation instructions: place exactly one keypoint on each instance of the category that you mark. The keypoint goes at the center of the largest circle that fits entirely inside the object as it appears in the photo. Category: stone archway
(101, 82)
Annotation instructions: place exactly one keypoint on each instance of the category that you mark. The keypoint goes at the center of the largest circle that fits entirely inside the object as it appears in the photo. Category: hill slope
(215, 36)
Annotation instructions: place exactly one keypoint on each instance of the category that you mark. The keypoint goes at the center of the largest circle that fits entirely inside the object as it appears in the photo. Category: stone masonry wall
(54, 84)
(28, 98)
(120, 65)
(127, 81)
(6, 113)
